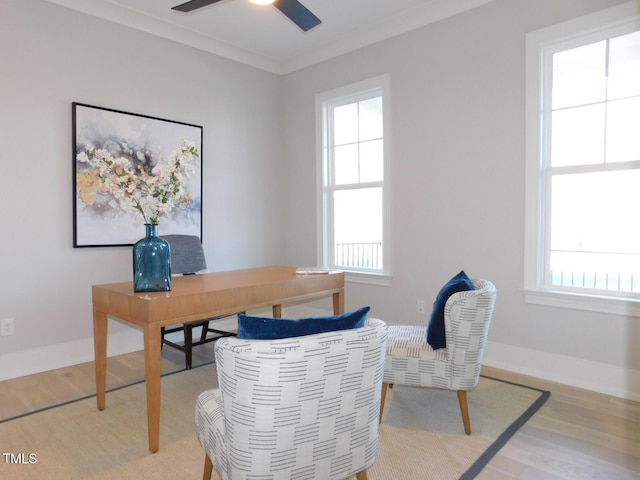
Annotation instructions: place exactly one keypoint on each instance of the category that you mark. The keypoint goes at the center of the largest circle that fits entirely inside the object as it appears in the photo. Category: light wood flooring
(576, 435)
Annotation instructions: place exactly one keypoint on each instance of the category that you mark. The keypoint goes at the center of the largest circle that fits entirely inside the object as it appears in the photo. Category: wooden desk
(196, 297)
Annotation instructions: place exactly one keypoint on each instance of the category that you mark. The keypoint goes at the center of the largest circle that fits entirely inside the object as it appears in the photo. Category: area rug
(421, 435)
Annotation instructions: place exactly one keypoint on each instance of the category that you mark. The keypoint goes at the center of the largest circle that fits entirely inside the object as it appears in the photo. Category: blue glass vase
(151, 262)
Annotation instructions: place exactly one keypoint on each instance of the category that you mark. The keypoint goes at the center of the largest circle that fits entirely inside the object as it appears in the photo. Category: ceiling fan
(297, 13)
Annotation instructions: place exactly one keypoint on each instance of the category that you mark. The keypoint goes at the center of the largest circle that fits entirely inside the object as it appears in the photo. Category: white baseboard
(50, 357)
(577, 372)
(595, 376)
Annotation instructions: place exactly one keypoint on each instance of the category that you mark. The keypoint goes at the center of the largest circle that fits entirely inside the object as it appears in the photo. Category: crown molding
(404, 22)
(412, 19)
(170, 31)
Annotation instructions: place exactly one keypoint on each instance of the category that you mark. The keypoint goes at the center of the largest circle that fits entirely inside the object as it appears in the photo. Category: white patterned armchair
(303, 407)
(411, 361)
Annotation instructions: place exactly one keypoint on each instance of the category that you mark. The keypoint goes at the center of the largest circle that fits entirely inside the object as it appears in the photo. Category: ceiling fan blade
(193, 5)
(297, 13)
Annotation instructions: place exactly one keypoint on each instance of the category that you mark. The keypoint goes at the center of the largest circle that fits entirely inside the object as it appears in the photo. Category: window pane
(353, 168)
(623, 130)
(579, 76)
(345, 124)
(577, 136)
(346, 164)
(624, 66)
(358, 228)
(371, 161)
(595, 239)
(370, 119)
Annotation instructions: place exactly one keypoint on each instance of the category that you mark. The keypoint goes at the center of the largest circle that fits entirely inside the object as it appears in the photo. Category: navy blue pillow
(435, 331)
(265, 328)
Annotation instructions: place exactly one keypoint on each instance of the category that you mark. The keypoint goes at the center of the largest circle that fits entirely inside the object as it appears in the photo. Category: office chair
(187, 258)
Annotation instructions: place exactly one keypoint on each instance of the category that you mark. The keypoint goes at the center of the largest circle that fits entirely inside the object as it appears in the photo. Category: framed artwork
(131, 169)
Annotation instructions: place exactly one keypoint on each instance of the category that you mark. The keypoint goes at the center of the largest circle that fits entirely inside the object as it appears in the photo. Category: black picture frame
(143, 139)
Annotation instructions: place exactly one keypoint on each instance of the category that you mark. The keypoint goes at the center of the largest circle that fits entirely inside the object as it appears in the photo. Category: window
(354, 180)
(583, 163)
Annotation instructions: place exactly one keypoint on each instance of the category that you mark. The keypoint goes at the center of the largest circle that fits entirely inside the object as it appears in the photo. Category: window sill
(368, 278)
(581, 301)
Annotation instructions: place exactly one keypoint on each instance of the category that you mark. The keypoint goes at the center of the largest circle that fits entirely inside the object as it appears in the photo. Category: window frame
(377, 86)
(540, 45)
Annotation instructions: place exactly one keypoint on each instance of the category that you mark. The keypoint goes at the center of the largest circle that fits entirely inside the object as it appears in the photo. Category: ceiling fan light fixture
(292, 9)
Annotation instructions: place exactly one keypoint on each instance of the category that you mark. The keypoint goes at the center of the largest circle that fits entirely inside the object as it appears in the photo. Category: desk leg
(100, 352)
(338, 302)
(277, 311)
(152, 363)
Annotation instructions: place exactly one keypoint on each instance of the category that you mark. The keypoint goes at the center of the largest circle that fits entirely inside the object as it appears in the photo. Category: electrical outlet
(7, 327)
(422, 307)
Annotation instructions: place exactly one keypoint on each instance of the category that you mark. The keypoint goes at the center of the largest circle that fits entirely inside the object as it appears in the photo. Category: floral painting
(131, 170)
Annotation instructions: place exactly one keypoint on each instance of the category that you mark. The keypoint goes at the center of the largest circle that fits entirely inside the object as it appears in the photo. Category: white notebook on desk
(312, 270)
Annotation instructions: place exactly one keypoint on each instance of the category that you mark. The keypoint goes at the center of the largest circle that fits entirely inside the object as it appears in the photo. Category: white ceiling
(263, 37)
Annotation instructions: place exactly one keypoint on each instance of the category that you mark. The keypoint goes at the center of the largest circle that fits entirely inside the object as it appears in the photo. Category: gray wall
(458, 145)
(458, 164)
(51, 56)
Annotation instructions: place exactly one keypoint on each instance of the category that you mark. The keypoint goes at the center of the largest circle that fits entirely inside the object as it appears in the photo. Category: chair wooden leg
(205, 330)
(208, 468)
(188, 344)
(464, 409)
(383, 397)
(362, 475)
